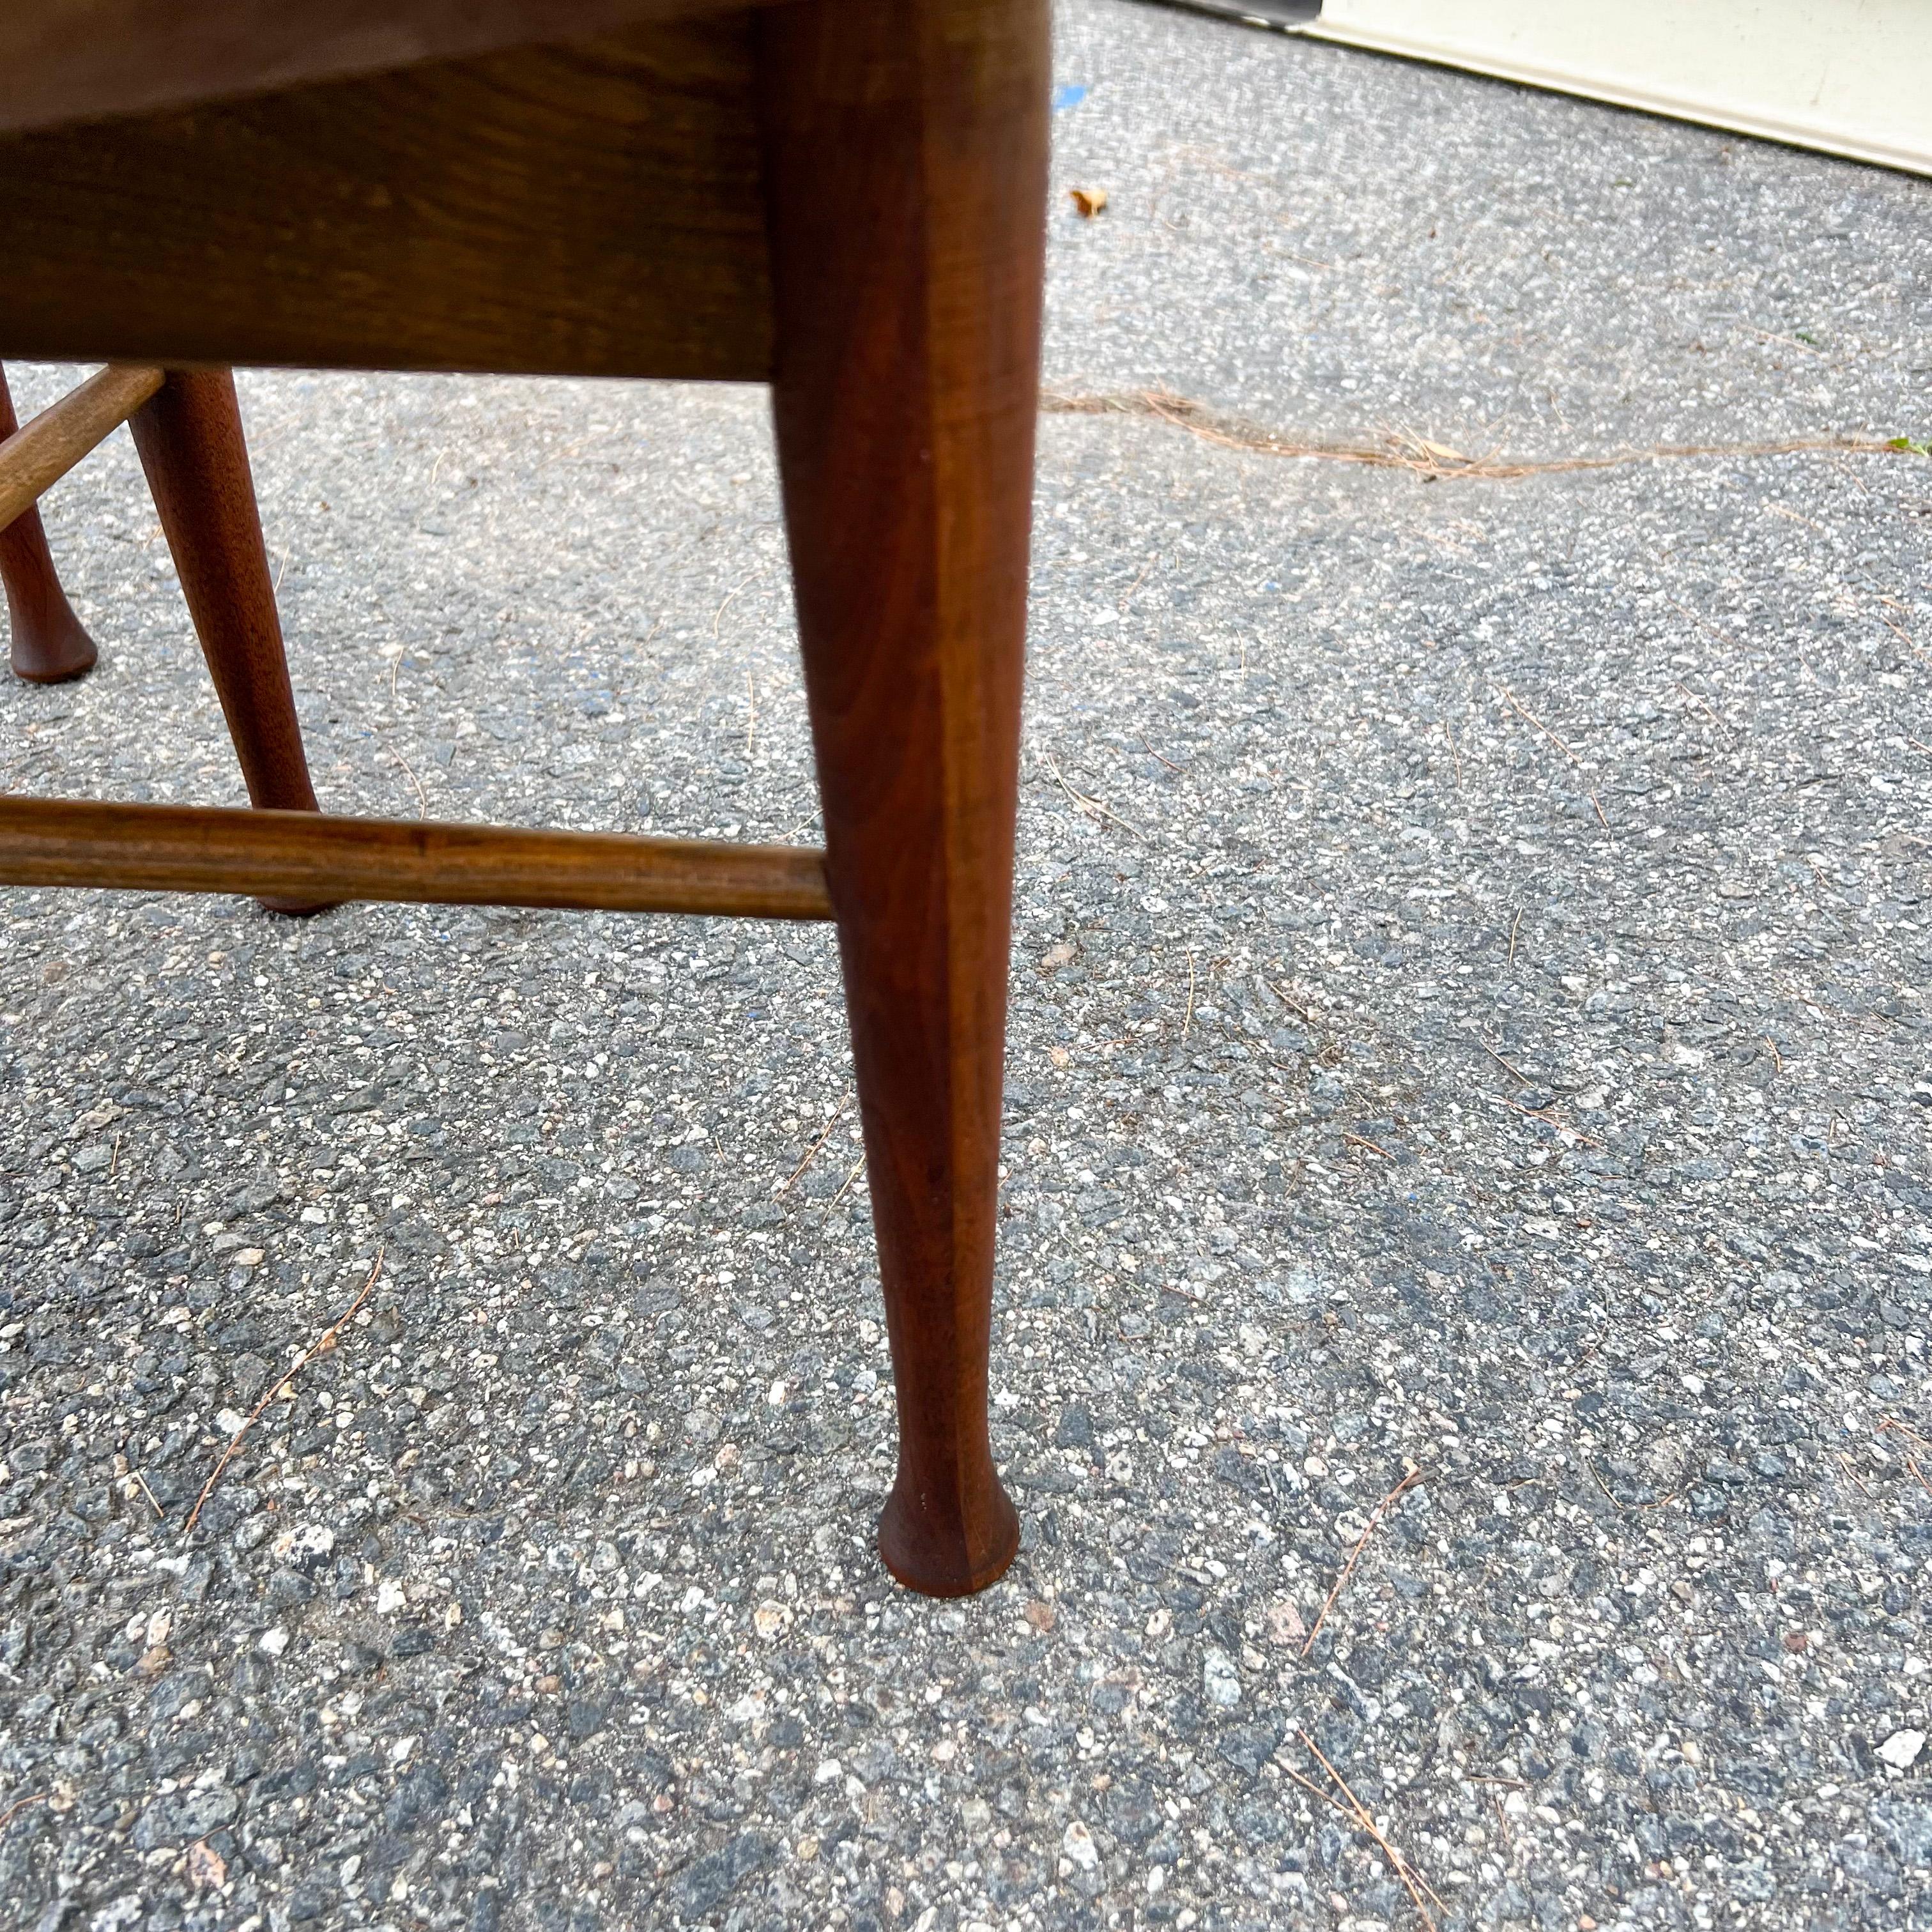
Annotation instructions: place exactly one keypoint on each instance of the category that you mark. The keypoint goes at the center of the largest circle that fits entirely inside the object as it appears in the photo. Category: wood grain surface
(589, 210)
(86, 60)
(906, 157)
(305, 856)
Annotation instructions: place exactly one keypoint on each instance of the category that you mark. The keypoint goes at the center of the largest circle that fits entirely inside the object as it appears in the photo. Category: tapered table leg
(47, 642)
(905, 144)
(191, 447)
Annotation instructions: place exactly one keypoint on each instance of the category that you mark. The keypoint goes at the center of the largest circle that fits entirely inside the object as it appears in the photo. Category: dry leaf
(205, 1865)
(1041, 1616)
(1089, 201)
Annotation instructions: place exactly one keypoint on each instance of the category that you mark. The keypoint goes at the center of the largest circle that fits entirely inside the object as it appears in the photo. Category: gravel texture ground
(1469, 1023)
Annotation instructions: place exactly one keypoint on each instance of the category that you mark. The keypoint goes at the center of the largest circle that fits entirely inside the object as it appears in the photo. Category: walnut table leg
(905, 144)
(48, 644)
(191, 446)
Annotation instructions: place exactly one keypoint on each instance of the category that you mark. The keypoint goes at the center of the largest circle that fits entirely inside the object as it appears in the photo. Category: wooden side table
(843, 198)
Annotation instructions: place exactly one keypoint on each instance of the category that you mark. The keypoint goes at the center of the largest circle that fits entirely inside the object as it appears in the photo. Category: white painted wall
(1852, 76)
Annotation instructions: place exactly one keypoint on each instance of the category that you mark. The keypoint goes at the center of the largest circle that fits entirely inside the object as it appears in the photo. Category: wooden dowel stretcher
(40, 453)
(320, 858)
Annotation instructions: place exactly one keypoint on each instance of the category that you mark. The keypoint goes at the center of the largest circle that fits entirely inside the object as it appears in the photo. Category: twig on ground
(150, 1495)
(1188, 1019)
(1362, 1141)
(325, 1340)
(1618, 1500)
(856, 1165)
(1413, 1881)
(1432, 461)
(1543, 1115)
(1516, 705)
(1700, 703)
(1455, 752)
(812, 1152)
(1513, 924)
(1294, 1005)
(1911, 1462)
(1852, 476)
(1355, 1816)
(20, 1805)
(1502, 1821)
(1081, 801)
(717, 616)
(1315, 1790)
(1402, 1488)
(1710, 630)
(420, 800)
(1503, 1064)
(1342, 1810)
(1899, 632)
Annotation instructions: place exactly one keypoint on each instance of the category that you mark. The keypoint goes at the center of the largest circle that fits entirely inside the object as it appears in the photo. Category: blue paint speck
(1068, 94)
